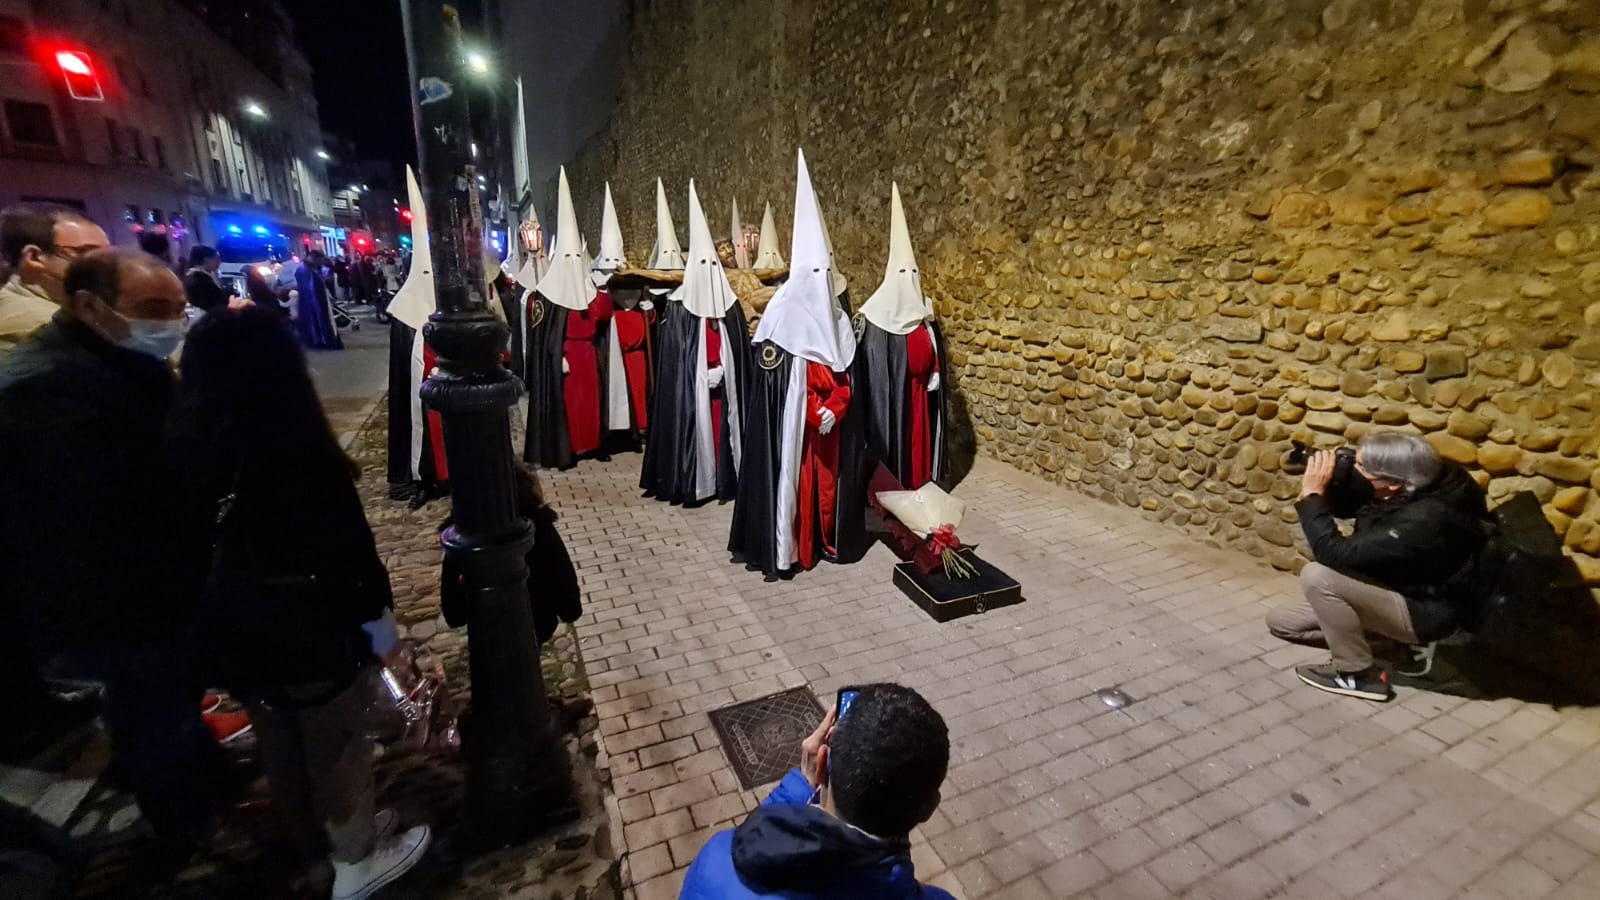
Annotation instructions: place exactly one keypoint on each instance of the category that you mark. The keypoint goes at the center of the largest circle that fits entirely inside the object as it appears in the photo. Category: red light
(405, 215)
(78, 69)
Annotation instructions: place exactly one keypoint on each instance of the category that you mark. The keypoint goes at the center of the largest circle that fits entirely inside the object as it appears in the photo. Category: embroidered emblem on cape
(860, 325)
(536, 313)
(771, 356)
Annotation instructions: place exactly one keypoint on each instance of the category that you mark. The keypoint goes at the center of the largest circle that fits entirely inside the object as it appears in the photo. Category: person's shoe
(1418, 659)
(383, 822)
(392, 858)
(1370, 684)
(227, 727)
(210, 703)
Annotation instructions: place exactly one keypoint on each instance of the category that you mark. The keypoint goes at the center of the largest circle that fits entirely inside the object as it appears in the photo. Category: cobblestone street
(1225, 778)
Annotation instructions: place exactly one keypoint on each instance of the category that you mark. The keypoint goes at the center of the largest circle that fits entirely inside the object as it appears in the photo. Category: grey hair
(1403, 458)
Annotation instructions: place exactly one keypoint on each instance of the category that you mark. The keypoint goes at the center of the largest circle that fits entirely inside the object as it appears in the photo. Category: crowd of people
(152, 548)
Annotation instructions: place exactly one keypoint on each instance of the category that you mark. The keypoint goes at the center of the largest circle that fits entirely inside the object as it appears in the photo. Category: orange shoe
(228, 727)
(210, 703)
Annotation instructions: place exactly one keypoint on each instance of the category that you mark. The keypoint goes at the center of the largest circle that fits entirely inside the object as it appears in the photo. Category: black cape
(511, 296)
(546, 442)
(670, 463)
(753, 539)
(878, 385)
(401, 391)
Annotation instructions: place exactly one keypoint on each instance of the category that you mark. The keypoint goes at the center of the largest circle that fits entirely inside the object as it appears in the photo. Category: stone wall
(1167, 238)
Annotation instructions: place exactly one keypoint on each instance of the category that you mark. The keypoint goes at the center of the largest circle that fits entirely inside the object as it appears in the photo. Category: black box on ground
(952, 598)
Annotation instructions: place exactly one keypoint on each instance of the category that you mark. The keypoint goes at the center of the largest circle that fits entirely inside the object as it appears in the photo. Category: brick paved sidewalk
(1226, 778)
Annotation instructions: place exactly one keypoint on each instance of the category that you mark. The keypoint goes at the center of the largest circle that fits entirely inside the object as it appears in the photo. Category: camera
(1347, 490)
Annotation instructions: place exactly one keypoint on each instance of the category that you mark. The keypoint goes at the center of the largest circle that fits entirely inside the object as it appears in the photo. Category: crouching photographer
(1403, 573)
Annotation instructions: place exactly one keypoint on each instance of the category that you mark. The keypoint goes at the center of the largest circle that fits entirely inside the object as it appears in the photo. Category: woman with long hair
(297, 603)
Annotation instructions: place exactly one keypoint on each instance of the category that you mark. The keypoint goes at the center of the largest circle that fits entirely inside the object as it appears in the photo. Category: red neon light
(78, 69)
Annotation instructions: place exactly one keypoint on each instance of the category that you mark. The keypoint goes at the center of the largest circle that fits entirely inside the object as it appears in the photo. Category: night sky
(357, 51)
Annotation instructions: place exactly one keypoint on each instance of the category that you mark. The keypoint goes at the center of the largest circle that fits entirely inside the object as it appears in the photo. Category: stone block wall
(1166, 239)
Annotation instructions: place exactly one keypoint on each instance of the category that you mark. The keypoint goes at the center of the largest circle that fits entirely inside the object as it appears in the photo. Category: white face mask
(157, 338)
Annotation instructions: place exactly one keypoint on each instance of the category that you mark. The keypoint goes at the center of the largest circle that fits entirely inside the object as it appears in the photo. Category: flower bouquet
(922, 524)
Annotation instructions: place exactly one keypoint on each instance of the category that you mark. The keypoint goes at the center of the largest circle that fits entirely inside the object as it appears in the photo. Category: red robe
(633, 336)
(817, 504)
(586, 330)
(714, 359)
(922, 363)
(434, 434)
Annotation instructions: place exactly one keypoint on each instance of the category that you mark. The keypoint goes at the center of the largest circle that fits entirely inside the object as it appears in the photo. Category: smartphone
(847, 696)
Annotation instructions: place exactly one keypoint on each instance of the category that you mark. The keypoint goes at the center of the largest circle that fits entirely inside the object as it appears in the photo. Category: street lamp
(477, 62)
(255, 109)
(323, 155)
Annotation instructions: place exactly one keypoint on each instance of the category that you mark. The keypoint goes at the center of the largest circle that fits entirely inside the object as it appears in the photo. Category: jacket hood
(795, 847)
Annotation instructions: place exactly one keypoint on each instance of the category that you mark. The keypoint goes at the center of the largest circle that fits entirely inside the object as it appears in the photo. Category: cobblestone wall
(1167, 238)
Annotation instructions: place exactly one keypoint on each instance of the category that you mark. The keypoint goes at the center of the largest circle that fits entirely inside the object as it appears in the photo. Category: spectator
(839, 826)
(1403, 572)
(98, 549)
(259, 291)
(157, 243)
(38, 242)
(314, 317)
(341, 278)
(295, 577)
(200, 284)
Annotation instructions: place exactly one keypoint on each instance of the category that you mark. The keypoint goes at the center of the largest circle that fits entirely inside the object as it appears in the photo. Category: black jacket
(203, 291)
(1422, 546)
(96, 547)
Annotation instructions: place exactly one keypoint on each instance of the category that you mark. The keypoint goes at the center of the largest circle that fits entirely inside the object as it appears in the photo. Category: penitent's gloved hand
(828, 421)
(565, 369)
(714, 377)
(933, 383)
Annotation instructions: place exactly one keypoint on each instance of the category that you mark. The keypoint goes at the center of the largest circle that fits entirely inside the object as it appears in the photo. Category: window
(13, 35)
(130, 214)
(161, 152)
(218, 181)
(136, 137)
(153, 217)
(114, 137)
(30, 123)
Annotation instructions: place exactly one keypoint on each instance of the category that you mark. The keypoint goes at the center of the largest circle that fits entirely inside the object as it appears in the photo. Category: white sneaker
(392, 858)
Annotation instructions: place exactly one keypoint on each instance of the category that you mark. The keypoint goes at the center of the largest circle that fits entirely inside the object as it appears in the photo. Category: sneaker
(210, 703)
(1371, 684)
(392, 858)
(228, 727)
(1418, 659)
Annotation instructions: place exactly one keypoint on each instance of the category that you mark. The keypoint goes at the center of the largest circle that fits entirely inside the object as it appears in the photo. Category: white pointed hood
(706, 291)
(567, 282)
(839, 284)
(741, 254)
(898, 306)
(611, 257)
(803, 317)
(416, 301)
(668, 254)
(767, 256)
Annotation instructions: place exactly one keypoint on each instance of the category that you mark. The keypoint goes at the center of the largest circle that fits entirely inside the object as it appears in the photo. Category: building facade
(143, 114)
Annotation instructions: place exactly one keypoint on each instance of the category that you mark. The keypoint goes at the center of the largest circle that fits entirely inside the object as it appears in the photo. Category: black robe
(402, 389)
(878, 385)
(511, 297)
(752, 538)
(546, 443)
(670, 462)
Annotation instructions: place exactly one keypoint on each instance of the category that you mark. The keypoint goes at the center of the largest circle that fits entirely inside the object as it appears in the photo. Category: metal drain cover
(761, 737)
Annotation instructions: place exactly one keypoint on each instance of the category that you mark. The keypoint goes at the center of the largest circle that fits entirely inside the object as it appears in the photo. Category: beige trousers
(1341, 611)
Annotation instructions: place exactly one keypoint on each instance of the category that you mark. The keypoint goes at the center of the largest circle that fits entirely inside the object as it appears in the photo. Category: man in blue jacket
(839, 826)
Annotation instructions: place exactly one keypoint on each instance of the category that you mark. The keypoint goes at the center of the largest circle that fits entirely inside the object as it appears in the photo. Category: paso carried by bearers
(417, 466)
(694, 450)
(798, 501)
(629, 361)
(899, 356)
(568, 325)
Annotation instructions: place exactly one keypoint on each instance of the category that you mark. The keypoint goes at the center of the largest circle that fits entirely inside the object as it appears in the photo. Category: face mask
(159, 339)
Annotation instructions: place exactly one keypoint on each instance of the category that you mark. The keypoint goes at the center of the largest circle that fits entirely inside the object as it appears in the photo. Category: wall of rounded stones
(1167, 239)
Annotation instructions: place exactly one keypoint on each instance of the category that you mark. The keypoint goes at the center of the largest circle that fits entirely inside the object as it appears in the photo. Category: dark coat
(97, 546)
(203, 291)
(1421, 545)
(789, 849)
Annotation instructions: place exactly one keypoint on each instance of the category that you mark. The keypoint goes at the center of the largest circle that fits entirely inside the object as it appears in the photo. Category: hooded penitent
(896, 376)
(667, 254)
(694, 450)
(798, 498)
(628, 360)
(568, 326)
(767, 256)
(416, 441)
(741, 253)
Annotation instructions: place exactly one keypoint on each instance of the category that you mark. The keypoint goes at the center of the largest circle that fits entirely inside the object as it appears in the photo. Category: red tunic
(434, 434)
(921, 364)
(714, 359)
(581, 387)
(633, 338)
(819, 461)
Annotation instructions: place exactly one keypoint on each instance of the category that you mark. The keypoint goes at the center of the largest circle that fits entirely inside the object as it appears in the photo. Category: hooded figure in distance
(798, 498)
(417, 466)
(629, 363)
(695, 449)
(899, 358)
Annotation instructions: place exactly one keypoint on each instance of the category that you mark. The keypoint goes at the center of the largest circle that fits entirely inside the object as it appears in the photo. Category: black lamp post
(518, 777)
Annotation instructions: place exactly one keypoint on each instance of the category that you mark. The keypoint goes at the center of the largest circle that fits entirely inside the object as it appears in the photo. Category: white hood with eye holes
(898, 305)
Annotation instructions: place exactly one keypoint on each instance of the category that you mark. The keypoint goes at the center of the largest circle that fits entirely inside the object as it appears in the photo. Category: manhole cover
(761, 737)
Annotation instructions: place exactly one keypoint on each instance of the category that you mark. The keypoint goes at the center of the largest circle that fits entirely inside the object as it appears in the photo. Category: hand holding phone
(814, 751)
